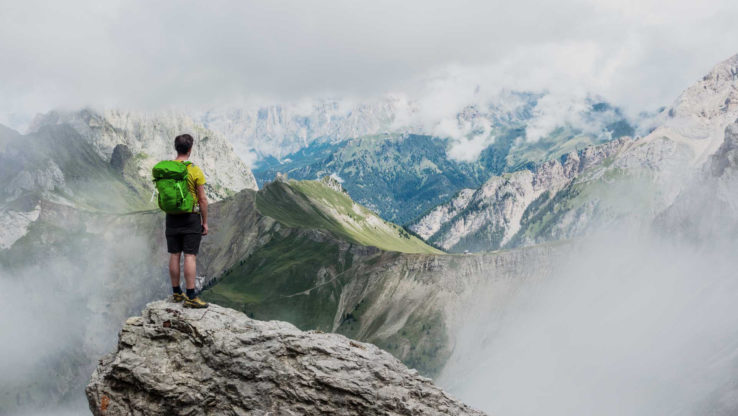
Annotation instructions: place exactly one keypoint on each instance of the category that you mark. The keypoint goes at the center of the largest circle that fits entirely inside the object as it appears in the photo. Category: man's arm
(202, 200)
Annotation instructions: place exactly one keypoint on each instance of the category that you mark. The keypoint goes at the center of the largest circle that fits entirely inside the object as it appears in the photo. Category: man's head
(183, 144)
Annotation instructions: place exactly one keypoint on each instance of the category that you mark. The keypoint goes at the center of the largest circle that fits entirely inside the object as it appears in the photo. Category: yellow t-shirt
(195, 177)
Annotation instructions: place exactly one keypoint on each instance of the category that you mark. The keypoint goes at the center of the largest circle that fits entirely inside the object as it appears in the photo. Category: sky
(153, 55)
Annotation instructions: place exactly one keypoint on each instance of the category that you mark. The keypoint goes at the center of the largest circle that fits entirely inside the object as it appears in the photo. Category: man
(184, 231)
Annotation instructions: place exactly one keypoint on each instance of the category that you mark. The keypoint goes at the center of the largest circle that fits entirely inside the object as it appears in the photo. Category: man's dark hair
(183, 143)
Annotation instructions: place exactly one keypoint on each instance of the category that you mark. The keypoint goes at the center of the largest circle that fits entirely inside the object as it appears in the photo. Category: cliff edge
(176, 361)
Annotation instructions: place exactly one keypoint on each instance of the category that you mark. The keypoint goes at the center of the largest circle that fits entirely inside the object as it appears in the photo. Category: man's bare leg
(190, 270)
(174, 268)
(191, 301)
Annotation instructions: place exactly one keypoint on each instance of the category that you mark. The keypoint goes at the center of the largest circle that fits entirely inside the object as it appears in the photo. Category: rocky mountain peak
(174, 361)
(727, 70)
(700, 114)
(715, 94)
(711, 194)
(333, 183)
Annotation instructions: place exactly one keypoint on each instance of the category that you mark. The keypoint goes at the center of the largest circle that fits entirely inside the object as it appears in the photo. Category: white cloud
(249, 157)
(553, 111)
(468, 149)
(158, 54)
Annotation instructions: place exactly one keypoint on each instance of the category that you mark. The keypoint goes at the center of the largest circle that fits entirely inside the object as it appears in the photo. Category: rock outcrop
(121, 155)
(174, 361)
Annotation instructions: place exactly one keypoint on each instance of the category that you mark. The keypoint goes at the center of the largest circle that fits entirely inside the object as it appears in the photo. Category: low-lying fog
(629, 324)
(61, 307)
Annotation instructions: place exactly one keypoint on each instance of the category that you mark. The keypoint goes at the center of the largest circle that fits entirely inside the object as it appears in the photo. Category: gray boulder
(217, 361)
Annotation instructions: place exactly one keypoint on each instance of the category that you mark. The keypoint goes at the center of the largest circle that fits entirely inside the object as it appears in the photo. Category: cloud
(63, 307)
(249, 157)
(151, 55)
(553, 111)
(632, 326)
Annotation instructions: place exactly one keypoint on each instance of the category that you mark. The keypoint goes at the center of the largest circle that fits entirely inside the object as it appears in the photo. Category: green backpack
(170, 178)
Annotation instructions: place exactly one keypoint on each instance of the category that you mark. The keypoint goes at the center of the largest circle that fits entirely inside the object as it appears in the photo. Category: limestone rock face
(570, 197)
(706, 210)
(149, 137)
(175, 361)
(489, 218)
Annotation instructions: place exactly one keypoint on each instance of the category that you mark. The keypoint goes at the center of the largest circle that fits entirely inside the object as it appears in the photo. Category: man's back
(184, 231)
(195, 178)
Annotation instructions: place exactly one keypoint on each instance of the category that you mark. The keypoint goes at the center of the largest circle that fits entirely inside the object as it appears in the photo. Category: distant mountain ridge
(401, 176)
(510, 210)
(490, 217)
(396, 176)
(276, 131)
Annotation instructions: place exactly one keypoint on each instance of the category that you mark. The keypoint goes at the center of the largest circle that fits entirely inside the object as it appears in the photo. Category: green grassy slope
(283, 280)
(314, 204)
(315, 251)
(310, 283)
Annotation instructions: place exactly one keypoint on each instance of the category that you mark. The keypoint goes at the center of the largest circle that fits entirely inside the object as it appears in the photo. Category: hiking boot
(195, 302)
(178, 297)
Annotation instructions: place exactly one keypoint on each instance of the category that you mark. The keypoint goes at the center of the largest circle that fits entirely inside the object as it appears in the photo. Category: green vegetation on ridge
(309, 269)
(314, 204)
(282, 280)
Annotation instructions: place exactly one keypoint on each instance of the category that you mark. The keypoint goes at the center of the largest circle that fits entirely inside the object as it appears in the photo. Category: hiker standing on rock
(182, 196)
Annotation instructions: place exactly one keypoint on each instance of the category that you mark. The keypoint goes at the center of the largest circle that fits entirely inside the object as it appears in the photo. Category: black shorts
(183, 232)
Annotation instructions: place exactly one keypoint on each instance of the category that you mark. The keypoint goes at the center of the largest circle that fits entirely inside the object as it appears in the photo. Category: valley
(378, 285)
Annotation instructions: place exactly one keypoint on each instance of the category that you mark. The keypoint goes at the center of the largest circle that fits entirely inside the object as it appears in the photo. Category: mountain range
(569, 197)
(403, 175)
(85, 238)
(276, 131)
